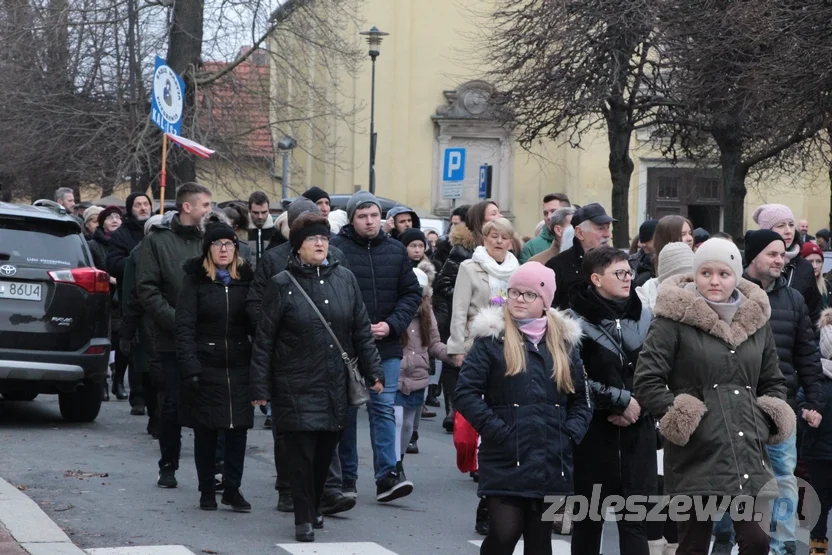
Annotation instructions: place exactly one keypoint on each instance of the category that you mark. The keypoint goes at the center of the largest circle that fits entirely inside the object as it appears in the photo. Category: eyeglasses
(528, 296)
(315, 238)
(622, 275)
(223, 245)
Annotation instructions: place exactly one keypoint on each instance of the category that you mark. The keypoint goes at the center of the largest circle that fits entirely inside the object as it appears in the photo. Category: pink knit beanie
(538, 278)
(769, 215)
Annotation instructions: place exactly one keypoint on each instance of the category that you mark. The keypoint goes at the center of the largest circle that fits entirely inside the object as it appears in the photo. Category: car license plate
(21, 291)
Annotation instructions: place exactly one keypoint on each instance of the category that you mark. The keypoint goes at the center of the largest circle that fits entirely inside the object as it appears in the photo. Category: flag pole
(163, 178)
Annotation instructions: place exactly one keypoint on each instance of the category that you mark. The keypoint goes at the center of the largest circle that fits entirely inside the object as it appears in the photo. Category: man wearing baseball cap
(592, 229)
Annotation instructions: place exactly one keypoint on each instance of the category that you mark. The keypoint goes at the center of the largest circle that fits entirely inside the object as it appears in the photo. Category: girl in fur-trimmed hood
(709, 372)
(523, 388)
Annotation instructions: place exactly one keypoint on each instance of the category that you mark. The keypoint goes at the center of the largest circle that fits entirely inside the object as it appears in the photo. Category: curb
(30, 526)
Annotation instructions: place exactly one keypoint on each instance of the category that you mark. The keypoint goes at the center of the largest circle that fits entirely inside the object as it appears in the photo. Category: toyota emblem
(7, 270)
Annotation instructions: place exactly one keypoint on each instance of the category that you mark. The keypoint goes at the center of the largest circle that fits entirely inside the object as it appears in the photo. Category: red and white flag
(191, 146)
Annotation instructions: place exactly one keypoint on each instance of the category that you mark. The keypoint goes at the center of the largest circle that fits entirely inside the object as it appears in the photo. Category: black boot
(233, 498)
(481, 526)
(448, 423)
(433, 396)
(105, 394)
(413, 445)
(207, 501)
(118, 385)
(304, 532)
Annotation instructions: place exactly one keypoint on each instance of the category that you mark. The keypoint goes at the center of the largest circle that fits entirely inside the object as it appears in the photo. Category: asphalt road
(97, 481)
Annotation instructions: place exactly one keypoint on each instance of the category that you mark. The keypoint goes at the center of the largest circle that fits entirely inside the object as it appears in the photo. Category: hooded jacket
(259, 237)
(800, 275)
(397, 210)
(642, 265)
(797, 348)
(537, 245)
(568, 273)
(212, 343)
(816, 443)
(295, 363)
(716, 390)
(529, 428)
(160, 275)
(388, 285)
(122, 242)
(621, 458)
(462, 248)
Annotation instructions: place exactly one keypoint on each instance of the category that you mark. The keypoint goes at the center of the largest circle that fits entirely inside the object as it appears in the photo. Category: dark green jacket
(160, 275)
(717, 390)
(537, 245)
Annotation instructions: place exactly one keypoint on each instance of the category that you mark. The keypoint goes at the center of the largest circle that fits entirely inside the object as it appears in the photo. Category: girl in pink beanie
(519, 348)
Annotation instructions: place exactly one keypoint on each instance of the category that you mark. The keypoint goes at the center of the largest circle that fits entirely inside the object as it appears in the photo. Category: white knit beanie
(718, 250)
(826, 342)
(675, 259)
(422, 278)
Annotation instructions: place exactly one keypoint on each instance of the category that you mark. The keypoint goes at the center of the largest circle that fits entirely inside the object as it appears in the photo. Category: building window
(668, 187)
(707, 189)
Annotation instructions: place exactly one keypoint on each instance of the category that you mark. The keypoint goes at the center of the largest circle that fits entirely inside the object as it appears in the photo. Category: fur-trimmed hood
(461, 235)
(675, 302)
(213, 217)
(268, 225)
(282, 225)
(427, 266)
(825, 318)
(490, 322)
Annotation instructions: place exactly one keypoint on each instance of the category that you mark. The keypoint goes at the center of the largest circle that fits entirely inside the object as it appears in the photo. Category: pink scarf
(533, 328)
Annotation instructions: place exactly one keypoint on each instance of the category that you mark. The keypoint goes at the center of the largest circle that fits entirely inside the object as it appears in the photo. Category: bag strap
(321, 316)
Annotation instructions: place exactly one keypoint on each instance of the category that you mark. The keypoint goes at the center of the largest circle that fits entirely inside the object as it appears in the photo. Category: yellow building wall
(431, 49)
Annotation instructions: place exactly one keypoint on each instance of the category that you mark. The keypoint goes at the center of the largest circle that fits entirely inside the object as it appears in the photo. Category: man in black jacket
(262, 228)
(799, 357)
(392, 295)
(138, 208)
(642, 261)
(592, 229)
(159, 280)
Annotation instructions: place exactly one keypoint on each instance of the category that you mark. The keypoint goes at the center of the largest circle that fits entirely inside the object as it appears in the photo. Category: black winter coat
(622, 459)
(797, 347)
(568, 273)
(295, 363)
(462, 245)
(816, 443)
(160, 275)
(388, 285)
(800, 275)
(98, 245)
(122, 243)
(212, 343)
(529, 428)
(642, 265)
(273, 262)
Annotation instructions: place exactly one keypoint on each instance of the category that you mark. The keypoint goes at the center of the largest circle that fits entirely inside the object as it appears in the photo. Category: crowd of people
(681, 368)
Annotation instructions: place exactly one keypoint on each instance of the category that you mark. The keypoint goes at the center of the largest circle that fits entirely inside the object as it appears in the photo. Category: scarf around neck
(533, 328)
(792, 253)
(725, 311)
(224, 276)
(498, 274)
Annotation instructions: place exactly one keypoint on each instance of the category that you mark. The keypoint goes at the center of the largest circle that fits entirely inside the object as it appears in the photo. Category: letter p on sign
(454, 166)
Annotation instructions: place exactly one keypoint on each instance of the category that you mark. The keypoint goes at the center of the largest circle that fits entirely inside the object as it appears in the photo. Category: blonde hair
(233, 268)
(822, 285)
(500, 225)
(515, 353)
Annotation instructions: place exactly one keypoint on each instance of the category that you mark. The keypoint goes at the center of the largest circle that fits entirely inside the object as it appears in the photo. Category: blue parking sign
(454, 166)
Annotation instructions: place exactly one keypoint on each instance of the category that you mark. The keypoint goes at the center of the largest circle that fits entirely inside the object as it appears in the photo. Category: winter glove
(125, 346)
(192, 385)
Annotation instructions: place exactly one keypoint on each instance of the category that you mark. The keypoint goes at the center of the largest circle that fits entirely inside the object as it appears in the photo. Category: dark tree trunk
(184, 53)
(727, 133)
(619, 133)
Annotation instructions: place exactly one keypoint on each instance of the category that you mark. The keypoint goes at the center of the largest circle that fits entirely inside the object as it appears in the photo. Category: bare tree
(565, 68)
(749, 84)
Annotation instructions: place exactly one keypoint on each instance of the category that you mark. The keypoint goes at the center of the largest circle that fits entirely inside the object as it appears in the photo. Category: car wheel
(19, 396)
(83, 404)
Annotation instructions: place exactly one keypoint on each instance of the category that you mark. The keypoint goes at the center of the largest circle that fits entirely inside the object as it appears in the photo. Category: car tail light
(88, 279)
(95, 350)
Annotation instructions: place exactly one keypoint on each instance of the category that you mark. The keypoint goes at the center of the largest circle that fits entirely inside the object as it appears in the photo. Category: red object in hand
(466, 441)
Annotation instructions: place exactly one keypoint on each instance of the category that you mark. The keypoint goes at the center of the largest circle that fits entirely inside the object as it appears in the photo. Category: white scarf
(498, 274)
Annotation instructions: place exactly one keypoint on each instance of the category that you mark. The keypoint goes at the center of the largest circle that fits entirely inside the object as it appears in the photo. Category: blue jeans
(382, 428)
(725, 526)
(783, 517)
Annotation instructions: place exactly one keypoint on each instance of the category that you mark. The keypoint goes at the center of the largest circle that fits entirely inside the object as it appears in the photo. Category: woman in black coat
(213, 351)
(523, 388)
(298, 367)
(619, 450)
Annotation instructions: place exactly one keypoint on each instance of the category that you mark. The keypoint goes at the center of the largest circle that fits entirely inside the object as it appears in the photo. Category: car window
(28, 242)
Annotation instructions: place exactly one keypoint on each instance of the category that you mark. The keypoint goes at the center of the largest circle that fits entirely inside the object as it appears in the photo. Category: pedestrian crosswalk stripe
(142, 550)
(559, 547)
(342, 548)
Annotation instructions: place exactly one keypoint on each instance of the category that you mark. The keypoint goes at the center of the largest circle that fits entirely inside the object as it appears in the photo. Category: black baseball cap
(594, 212)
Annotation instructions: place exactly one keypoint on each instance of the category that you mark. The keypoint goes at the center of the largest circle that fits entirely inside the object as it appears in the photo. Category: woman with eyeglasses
(619, 450)
(523, 388)
(298, 366)
(213, 351)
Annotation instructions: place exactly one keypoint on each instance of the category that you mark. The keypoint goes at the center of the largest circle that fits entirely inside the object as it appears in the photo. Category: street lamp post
(285, 146)
(374, 37)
